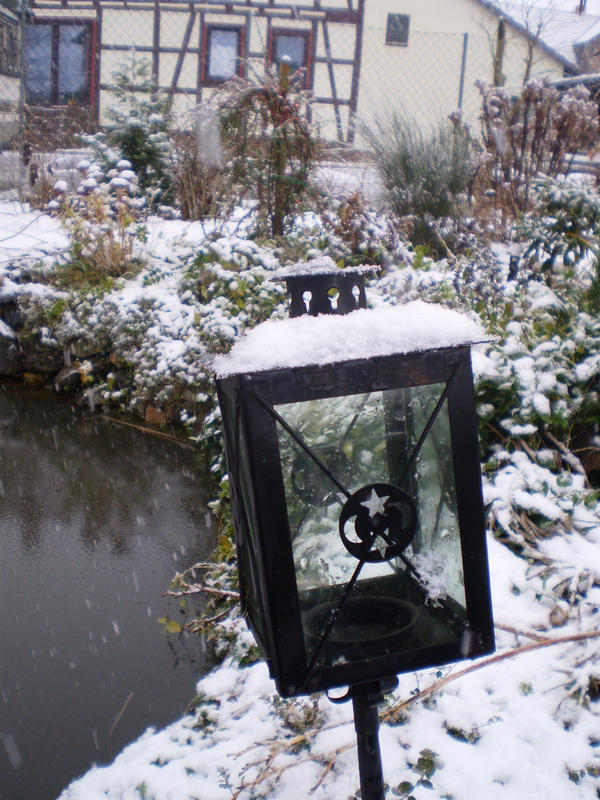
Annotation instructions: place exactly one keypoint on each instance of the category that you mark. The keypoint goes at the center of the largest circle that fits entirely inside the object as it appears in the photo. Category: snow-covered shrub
(426, 175)
(562, 237)
(564, 223)
(103, 218)
(353, 234)
(269, 148)
(538, 133)
(540, 374)
(137, 130)
(229, 279)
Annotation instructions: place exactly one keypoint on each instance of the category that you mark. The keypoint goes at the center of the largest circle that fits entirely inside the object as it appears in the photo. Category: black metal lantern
(357, 500)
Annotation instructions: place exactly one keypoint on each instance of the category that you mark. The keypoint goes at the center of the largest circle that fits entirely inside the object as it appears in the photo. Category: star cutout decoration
(375, 504)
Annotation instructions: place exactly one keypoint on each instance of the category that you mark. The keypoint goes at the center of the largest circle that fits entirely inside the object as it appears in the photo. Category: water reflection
(94, 520)
(112, 481)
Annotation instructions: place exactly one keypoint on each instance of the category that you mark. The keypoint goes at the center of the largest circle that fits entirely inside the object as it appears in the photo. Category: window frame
(54, 66)
(306, 35)
(388, 30)
(209, 29)
(9, 45)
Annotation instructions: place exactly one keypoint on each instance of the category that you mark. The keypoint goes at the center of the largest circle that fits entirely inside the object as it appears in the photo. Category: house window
(296, 46)
(223, 54)
(58, 62)
(9, 48)
(397, 29)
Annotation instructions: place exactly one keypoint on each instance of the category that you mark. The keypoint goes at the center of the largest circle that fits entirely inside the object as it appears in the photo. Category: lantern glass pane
(371, 503)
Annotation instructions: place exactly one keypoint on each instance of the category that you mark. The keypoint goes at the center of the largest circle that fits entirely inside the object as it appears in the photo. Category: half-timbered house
(360, 58)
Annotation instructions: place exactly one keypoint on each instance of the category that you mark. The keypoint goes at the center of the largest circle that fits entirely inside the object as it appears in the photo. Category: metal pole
(366, 699)
(21, 158)
(463, 66)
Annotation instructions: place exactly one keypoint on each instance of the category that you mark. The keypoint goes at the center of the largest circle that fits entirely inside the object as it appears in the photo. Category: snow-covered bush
(353, 234)
(564, 223)
(137, 131)
(269, 148)
(103, 218)
(562, 237)
(230, 280)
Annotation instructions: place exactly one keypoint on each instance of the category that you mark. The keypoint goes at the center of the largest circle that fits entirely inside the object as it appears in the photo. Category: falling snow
(521, 727)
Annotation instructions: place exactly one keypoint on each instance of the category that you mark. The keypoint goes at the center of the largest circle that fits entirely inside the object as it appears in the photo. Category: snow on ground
(512, 727)
(345, 179)
(505, 730)
(28, 234)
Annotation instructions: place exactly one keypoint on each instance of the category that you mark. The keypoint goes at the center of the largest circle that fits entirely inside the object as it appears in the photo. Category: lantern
(355, 482)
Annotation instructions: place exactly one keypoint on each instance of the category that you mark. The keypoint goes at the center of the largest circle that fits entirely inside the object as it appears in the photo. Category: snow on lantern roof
(322, 265)
(330, 338)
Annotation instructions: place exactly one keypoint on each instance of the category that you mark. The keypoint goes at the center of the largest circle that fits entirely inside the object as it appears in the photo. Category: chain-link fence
(433, 77)
(58, 68)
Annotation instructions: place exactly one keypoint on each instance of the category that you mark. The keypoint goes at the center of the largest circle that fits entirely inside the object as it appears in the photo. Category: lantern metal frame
(269, 592)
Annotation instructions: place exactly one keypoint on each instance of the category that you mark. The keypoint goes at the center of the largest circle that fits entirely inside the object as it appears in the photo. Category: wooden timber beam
(356, 72)
(334, 94)
(182, 53)
(142, 48)
(156, 45)
(199, 65)
(348, 15)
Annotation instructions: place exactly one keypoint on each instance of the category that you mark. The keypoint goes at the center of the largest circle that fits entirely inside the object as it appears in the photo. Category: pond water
(95, 518)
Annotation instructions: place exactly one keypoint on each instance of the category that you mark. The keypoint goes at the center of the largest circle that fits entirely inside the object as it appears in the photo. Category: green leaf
(170, 625)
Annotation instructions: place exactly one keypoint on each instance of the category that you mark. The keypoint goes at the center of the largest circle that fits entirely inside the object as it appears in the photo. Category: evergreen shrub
(138, 130)
(269, 148)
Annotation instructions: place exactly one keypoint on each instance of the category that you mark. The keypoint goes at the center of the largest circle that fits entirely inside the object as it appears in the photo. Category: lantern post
(354, 473)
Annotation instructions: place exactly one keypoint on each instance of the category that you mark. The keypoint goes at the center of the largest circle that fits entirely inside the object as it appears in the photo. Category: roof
(558, 30)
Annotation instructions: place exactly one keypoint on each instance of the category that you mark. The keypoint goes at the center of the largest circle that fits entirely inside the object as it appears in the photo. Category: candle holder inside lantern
(356, 490)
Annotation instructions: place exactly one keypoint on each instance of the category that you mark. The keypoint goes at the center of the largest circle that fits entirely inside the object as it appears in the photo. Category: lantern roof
(321, 265)
(366, 333)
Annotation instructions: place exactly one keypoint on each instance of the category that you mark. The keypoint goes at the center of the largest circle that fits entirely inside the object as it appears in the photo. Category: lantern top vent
(319, 286)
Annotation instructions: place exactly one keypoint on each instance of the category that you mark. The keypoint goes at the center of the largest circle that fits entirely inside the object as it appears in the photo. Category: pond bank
(141, 342)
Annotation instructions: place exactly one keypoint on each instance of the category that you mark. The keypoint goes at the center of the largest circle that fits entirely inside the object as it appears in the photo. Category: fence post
(21, 144)
(463, 66)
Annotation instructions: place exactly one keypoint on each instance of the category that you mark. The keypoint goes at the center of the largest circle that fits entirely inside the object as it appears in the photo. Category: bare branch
(196, 588)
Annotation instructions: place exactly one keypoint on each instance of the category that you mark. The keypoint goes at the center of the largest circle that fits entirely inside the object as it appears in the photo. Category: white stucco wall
(9, 104)
(423, 79)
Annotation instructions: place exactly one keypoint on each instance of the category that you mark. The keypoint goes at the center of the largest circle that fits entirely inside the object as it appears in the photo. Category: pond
(95, 519)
